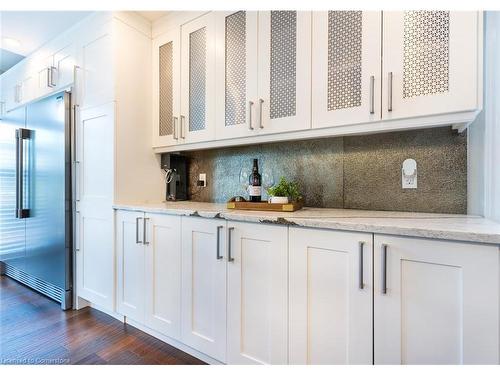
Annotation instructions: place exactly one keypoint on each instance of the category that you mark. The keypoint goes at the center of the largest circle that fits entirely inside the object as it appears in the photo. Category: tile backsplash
(348, 172)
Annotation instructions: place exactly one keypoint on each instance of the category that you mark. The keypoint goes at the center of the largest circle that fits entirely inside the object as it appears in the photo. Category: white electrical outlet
(203, 179)
(409, 174)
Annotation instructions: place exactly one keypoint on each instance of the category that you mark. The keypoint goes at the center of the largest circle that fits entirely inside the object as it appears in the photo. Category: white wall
(484, 133)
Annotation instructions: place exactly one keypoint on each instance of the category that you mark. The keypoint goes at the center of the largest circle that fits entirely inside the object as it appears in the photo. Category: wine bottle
(255, 183)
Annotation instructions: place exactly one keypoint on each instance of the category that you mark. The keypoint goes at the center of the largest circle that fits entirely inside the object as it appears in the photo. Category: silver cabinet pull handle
(51, 76)
(175, 120)
(144, 226)
(77, 230)
(261, 102)
(389, 91)
(77, 181)
(137, 230)
(372, 95)
(217, 253)
(250, 106)
(361, 281)
(384, 269)
(229, 250)
(183, 123)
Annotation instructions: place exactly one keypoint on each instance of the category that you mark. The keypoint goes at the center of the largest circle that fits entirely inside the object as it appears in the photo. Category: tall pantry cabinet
(110, 101)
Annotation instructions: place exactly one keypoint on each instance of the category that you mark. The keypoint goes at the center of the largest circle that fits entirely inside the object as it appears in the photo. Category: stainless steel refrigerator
(35, 197)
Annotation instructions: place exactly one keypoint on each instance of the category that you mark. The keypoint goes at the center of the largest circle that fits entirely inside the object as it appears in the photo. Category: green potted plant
(284, 192)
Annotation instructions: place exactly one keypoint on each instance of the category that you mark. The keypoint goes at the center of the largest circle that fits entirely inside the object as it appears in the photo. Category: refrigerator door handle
(18, 171)
(21, 134)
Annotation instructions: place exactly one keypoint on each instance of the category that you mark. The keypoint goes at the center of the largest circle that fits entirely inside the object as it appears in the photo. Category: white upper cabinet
(236, 72)
(436, 302)
(247, 76)
(166, 88)
(284, 101)
(430, 63)
(263, 70)
(96, 71)
(197, 118)
(346, 66)
(65, 60)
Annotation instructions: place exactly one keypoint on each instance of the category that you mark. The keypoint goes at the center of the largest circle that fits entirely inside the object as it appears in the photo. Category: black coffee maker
(175, 167)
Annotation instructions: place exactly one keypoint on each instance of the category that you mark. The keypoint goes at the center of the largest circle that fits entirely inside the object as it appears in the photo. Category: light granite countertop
(426, 225)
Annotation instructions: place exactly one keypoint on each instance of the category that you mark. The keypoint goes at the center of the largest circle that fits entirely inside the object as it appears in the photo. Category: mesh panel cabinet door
(197, 116)
(236, 73)
(166, 82)
(346, 66)
(284, 101)
(432, 59)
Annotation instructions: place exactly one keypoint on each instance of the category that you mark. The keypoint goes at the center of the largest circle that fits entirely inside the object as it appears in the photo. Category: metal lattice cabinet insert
(235, 89)
(166, 89)
(344, 59)
(283, 95)
(197, 78)
(426, 53)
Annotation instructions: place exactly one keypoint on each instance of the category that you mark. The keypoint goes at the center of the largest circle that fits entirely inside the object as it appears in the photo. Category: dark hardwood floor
(34, 330)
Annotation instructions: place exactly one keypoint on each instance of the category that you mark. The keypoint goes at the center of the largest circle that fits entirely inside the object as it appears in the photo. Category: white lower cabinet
(248, 293)
(204, 286)
(331, 294)
(436, 302)
(257, 293)
(148, 270)
(163, 274)
(130, 264)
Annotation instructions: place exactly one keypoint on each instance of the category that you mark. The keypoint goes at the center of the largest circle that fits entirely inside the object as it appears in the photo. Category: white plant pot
(280, 200)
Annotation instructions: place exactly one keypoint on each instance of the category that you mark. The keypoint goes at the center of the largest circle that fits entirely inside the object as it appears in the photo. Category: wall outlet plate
(409, 174)
(202, 180)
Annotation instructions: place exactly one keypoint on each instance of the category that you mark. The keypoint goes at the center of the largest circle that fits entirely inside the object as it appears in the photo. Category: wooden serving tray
(265, 206)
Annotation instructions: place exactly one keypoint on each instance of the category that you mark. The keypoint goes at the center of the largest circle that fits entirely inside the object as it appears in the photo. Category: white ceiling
(34, 28)
(152, 15)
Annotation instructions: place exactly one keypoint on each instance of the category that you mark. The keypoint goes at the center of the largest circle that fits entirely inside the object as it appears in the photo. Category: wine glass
(244, 179)
(267, 180)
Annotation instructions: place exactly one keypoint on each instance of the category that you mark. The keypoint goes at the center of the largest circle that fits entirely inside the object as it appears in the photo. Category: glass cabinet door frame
(207, 132)
(343, 112)
(172, 36)
(249, 126)
(459, 63)
(294, 111)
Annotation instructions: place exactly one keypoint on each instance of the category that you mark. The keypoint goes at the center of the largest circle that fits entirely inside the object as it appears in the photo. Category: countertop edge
(320, 223)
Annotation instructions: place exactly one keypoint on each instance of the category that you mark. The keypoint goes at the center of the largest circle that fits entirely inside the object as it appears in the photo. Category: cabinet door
(236, 72)
(95, 56)
(331, 295)
(197, 118)
(64, 64)
(94, 182)
(163, 274)
(257, 294)
(130, 265)
(284, 102)
(45, 70)
(441, 302)
(166, 86)
(346, 67)
(204, 286)
(432, 57)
